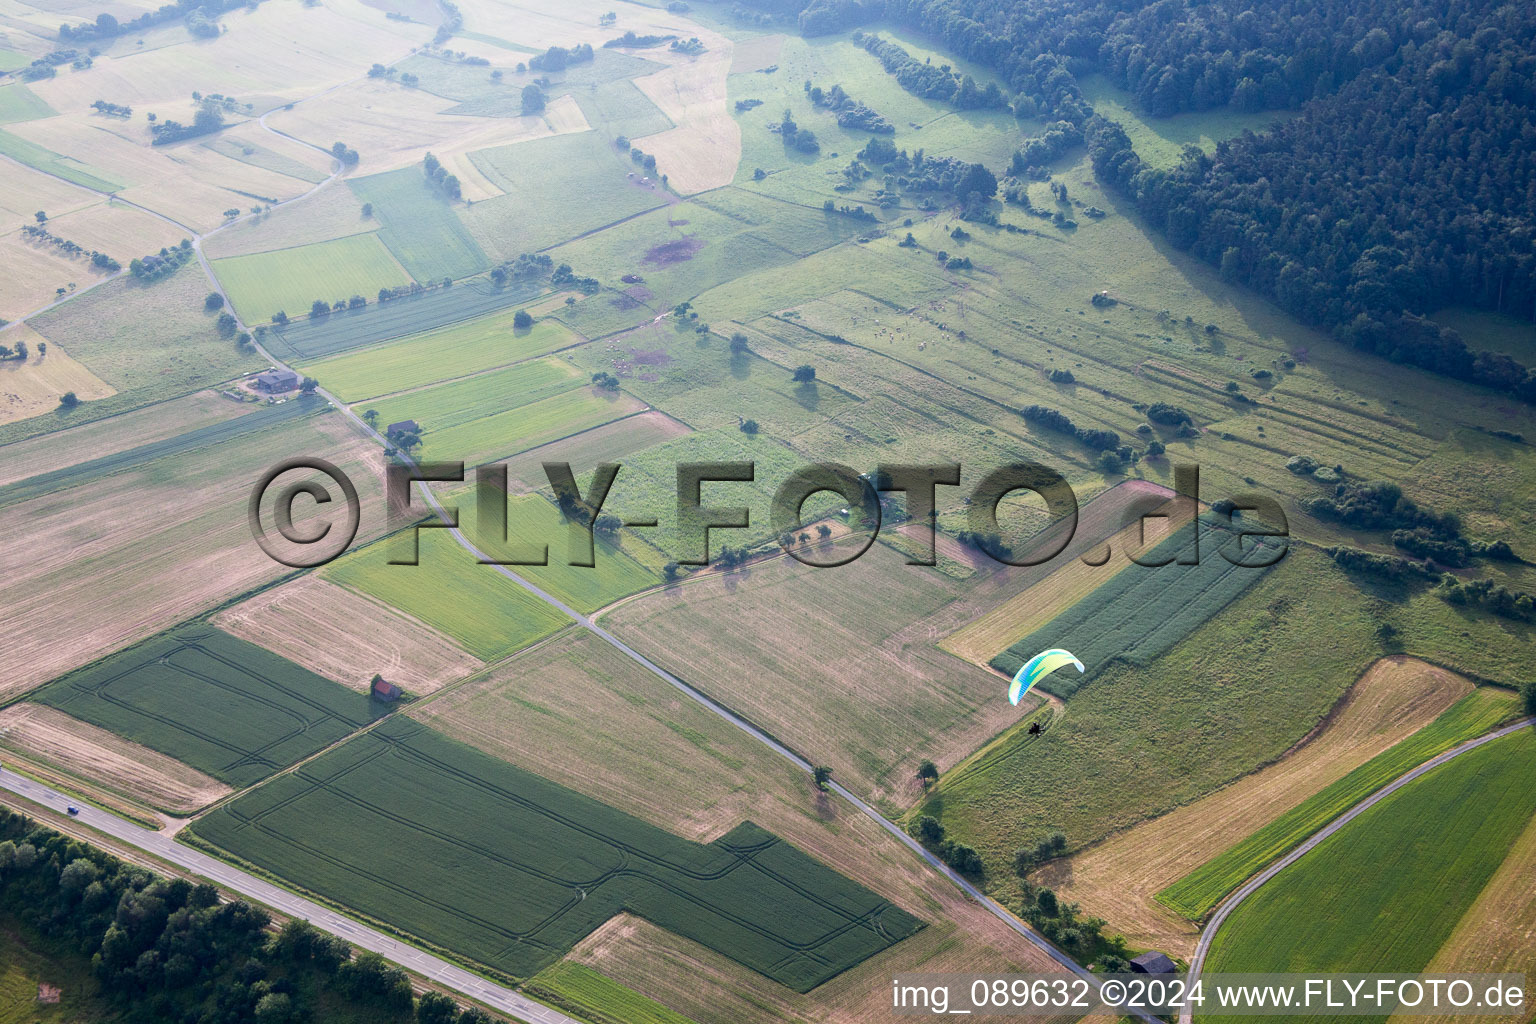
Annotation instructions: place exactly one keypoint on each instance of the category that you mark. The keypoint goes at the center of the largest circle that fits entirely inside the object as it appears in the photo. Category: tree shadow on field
(808, 395)
(741, 365)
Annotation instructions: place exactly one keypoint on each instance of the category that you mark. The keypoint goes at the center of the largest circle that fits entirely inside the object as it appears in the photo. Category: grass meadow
(290, 280)
(484, 394)
(46, 160)
(1386, 891)
(456, 350)
(511, 870)
(584, 164)
(526, 426)
(18, 103)
(420, 227)
(222, 705)
(1196, 894)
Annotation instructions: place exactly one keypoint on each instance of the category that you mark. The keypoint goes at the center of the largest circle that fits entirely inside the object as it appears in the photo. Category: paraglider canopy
(1037, 668)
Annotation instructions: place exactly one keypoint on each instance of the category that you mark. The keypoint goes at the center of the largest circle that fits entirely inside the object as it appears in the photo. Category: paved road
(242, 882)
(235, 880)
(1252, 885)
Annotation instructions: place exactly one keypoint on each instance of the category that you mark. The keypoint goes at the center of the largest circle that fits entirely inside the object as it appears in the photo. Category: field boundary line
(1248, 888)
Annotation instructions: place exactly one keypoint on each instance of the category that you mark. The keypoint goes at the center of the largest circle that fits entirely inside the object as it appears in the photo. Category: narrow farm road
(1248, 888)
(232, 878)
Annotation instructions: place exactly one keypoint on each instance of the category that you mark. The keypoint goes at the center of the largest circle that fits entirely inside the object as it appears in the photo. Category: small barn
(382, 689)
(403, 427)
(1153, 962)
(276, 381)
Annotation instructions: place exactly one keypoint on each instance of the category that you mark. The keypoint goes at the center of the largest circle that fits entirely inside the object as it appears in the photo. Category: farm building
(1153, 962)
(276, 381)
(384, 690)
(403, 427)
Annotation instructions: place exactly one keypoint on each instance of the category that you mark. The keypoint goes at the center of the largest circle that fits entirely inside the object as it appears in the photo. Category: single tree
(749, 426)
(521, 321)
(929, 830)
(213, 301)
(41, 216)
(823, 531)
(371, 417)
(670, 571)
(1528, 695)
(1023, 861)
(822, 774)
(927, 773)
(307, 385)
(367, 210)
(804, 374)
(68, 400)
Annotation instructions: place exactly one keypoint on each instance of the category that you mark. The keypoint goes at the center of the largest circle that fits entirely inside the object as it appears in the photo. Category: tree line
(164, 949)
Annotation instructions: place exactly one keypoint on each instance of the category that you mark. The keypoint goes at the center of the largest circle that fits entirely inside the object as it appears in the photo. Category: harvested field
(207, 436)
(348, 637)
(756, 53)
(703, 150)
(64, 448)
(122, 557)
(214, 702)
(1119, 878)
(34, 387)
(1385, 892)
(333, 212)
(1496, 932)
(512, 870)
(1199, 891)
(607, 443)
(1017, 618)
(98, 756)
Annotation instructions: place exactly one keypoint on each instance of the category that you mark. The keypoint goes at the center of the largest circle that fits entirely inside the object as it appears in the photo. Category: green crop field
(533, 522)
(420, 227)
(1198, 892)
(477, 606)
(217, 703)
(511, 870)
(290, 280)
(592, 997)
(1114, 622)
(1386, 891)
(584, 164)
(527, 426)
(485, 394)
(304, 340)
(456, 350)
(18, 103)
(49, 162)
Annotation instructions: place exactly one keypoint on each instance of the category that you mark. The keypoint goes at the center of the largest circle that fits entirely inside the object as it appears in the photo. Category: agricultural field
(449, 591)
(322, 216)
(264, 284)
(456, 350)
(149, 342)
(419, 227)
(585, 164)
(1198, 892)
(125, 556)
(585, 992)
(513, 870)
(71, 446)
(484, 394)
(612, 442)
(214, 702)
(102, 758)
(347, 637)
(190, 440)
(1394, 890)
(1119, 878)
(537, 423)
(33, 386)
(1198, 578)
(1091, 775)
